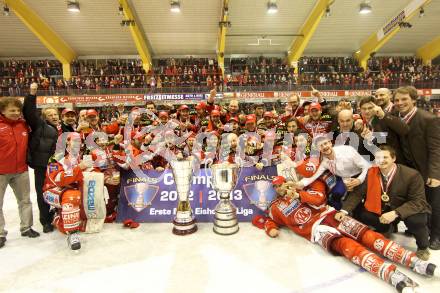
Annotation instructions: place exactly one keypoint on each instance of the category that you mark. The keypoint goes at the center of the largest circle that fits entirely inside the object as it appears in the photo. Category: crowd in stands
(382, 72)
(201, 74)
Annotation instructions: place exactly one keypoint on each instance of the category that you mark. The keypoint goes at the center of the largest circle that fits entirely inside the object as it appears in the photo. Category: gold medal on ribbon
(385, 197)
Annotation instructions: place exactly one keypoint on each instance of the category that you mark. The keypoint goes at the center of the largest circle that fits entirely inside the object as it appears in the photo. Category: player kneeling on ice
(75, 193)
(305, 212)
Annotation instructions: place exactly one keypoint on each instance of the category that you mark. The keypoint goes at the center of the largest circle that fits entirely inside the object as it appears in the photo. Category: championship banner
(149, 199)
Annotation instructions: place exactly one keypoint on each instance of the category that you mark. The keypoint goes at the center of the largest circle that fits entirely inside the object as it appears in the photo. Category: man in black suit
(389, 126)
(421, 150)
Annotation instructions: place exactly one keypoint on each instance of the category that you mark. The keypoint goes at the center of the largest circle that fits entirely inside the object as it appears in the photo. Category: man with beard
(383, 100)
(259, 110)
(316, 123)
(68, 120)
(201, 118)
(215, 123)
(42, 145)
(147, 119)
(233, 111)
(421, 150)
(183, 117)
(268, 120)
(293, 108)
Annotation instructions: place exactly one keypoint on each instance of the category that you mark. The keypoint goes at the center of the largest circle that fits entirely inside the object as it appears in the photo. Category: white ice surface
(152, 259)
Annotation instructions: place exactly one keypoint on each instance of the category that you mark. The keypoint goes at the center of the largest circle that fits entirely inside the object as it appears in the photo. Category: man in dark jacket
(392, 192)
(421, 150)
(379, 121)
(42, 145)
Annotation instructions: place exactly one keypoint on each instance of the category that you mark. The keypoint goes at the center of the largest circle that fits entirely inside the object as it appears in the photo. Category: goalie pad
(94, 195)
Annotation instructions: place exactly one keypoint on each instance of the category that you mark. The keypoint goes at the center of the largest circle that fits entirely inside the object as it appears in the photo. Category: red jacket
(13, 145)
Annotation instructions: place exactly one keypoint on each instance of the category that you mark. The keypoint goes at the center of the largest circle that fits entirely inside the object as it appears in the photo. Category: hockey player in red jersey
(62, 190)
(306, 213)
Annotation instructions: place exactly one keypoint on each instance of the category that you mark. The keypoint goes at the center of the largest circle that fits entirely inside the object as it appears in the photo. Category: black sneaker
(30, 233)
(2, 241)
(435, 244)
(47, 228)
(73, 241)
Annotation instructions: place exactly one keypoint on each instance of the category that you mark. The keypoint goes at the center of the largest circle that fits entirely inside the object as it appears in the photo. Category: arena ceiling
(96, 30)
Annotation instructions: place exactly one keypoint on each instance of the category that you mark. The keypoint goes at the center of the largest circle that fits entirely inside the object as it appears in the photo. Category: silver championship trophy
(224, 179)
(184, 222)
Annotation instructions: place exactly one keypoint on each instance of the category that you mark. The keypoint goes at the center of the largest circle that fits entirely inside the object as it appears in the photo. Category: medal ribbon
(390, 177)
(407, 118)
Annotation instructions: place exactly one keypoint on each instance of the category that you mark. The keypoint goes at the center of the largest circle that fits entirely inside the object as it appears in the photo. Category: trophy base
(183, 229)
(225, 224)
(226, 231)
(225, 219)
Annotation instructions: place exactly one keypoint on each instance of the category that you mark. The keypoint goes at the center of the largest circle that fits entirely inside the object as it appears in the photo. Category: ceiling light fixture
(272, 7)
(328, 12)
(121, 10)
(365, 8)
(6, 10)
(73, 6)
(421, 12)
(175, 6)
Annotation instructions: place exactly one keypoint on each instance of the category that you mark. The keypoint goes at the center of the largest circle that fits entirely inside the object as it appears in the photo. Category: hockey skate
(403, 283)
(425, 268)
(73, 241)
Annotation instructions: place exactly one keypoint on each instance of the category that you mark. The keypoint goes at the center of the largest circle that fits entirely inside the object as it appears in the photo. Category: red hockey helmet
(278, 180)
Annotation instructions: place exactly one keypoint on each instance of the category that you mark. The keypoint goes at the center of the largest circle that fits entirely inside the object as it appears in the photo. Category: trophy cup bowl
(224, 179)
(184, 222)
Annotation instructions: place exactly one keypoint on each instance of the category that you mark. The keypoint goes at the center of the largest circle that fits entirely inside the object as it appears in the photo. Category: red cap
(91, 112)
(215, 113)
(67, 110)
(251, 119)
(183, 107)
(268, 114)
(163, 114)
(315, 106)
(112, 128)
(278, 180)
(200, 106)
